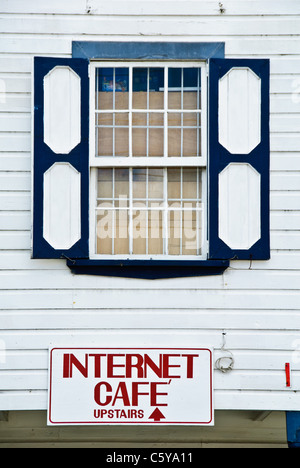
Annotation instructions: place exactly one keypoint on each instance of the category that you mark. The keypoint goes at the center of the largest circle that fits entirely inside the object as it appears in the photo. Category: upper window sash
(133, 161)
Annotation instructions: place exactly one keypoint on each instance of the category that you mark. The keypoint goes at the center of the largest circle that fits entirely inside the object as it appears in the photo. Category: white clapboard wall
(256, 304)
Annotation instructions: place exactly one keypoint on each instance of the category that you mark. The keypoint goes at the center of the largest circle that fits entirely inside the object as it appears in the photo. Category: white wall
(256, 304)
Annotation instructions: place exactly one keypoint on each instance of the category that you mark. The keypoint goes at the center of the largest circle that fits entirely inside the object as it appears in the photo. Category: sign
(157, 386)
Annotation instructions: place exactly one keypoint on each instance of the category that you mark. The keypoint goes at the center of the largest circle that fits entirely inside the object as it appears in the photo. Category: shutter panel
(239, 159)
(61, 158)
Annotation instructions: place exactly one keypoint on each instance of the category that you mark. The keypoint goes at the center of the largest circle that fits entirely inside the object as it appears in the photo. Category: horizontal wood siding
(255, 303)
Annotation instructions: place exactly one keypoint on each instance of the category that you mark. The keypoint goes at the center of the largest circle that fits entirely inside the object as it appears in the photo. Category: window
(148, 160)
(151, 169)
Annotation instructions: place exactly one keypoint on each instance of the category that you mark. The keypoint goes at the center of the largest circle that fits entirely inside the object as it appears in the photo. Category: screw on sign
(130, 386)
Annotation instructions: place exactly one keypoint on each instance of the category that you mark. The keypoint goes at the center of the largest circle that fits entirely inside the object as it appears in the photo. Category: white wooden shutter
(60, 187)
(239, 159)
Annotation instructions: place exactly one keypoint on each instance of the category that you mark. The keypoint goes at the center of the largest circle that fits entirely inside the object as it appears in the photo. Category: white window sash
(158, 162)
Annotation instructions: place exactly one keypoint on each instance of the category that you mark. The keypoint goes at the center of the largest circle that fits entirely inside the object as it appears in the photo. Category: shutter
(60, 163)
(239, 159)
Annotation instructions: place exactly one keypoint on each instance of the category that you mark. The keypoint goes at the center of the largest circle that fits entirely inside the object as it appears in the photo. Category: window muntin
(148, 151)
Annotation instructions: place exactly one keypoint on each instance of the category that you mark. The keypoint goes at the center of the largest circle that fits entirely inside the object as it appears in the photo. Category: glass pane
(174, 184)
(189, 233)
(139, 231)
(139, 183)
(105, 183)
(105, 141)
(174, 100)
(155, 232)
(156, 120)
(121, 142)
(175, 85)
(122, 119)
(139, 95)
(104, 231)
(174, 221)
(104, 88)
(156, 184)
(190, 120)
(190, 142)
(191, 83)
(104, 119)
(189, 183)
(121, 88)
(139, 142)
(139, 119)
(121, 238)
(121, 183)
(174, 119)
(190, 100)
(174, 142)
(156, 142)
(156, 88)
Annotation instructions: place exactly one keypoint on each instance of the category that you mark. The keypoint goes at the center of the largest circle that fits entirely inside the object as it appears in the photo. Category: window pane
(156, 120)
(121, 88)
(105, 141)
(156, 88)
(191, 85)
(156, 142)
(139, 95)
(189, 232)
(139, 229)
(189, 184)
(174, 184)
(122, 142)
(139, 119)
(139, 178)
(139, 142)
(189, 146)
(104, 88)
(104, 231)
(121, 183)
(174, 222)
(105, 183)
(155, 232)
(104, 120)
(121, 237)
(156, 184)
(175, 85)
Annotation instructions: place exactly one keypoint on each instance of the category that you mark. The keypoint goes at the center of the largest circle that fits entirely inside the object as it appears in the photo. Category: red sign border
(166, 423)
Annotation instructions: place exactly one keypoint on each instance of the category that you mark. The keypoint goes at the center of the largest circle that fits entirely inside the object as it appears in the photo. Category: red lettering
(167, 365)
(66, 366)
(97, 393)
(124, 394)
(156, 369)
(155, 393)
(138, 365)
(97, 358)
(190, 364)
(111, 365)
(136, 393)
(71, 361)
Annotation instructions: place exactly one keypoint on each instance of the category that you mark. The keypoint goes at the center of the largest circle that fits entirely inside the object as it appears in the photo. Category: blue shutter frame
(219, 158)
(44, 158)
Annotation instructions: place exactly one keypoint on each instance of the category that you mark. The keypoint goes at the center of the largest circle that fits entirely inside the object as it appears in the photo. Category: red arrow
(157, 415)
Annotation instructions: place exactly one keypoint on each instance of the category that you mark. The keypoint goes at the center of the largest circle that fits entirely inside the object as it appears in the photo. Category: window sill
(148, 269)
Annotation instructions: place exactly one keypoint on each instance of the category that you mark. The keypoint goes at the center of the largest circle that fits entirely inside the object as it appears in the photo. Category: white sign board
(165, 386)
